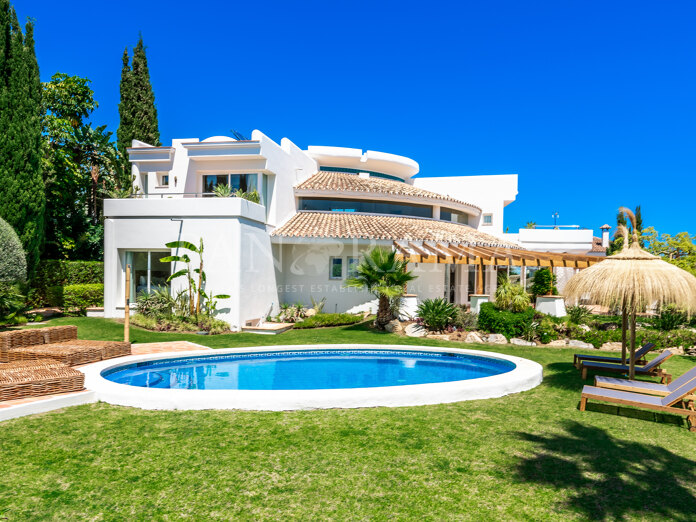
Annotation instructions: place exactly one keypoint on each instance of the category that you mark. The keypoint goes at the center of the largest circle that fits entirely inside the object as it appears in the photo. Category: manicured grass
(529, 456)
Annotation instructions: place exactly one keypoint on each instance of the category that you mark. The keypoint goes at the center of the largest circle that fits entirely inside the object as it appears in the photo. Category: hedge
(54, 273)
(13, 261)
(77, 298)
(510, 324)
(661, 339)
(320, 320)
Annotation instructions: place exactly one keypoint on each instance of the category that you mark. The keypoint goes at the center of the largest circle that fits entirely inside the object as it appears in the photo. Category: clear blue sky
(592, 103)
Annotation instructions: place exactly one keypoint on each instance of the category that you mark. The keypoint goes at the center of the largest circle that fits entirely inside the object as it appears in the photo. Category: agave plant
(437, 314)
(223, 191)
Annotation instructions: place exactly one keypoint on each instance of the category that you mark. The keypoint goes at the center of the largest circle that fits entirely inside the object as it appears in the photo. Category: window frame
(483, 219)
(356, 261)
(129, 261)
(331, 266)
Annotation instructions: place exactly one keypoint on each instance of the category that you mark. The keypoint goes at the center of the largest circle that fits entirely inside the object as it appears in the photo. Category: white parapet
(551, 305)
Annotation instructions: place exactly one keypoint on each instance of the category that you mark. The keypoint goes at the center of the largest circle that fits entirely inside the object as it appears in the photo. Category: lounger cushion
(647, 387)
(618, 395)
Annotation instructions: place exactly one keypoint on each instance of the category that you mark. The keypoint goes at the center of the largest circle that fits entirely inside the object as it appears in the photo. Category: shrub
(181, 324)
(322, 320)
(465, 320)
(546, 331)
(155, 304)
(77, 298)
(437, 314)
(252, 196)
(52, 273)
(670, 318)
(510, 324)
(11, 303)
(13, 261)
(511, 297)
(579, 314)
(544, 282)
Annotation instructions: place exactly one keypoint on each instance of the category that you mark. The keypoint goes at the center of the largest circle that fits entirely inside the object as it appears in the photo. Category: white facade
(242, 257)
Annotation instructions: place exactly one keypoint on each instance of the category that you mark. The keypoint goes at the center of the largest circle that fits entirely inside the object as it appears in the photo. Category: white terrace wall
(237, 254)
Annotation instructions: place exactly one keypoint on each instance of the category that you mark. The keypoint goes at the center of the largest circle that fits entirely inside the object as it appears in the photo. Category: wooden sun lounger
(672, 403)
(652, 368)
(649, 388)
(639, 357)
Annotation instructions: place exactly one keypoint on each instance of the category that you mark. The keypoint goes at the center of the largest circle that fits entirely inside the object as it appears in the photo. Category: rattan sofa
(59, 343)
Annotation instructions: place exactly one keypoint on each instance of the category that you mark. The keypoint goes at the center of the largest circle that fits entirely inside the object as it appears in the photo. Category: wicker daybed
(22, 379)
(59, 343)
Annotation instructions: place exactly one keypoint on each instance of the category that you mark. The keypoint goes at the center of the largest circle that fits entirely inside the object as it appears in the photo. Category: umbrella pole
(624, 327)
(632, 366)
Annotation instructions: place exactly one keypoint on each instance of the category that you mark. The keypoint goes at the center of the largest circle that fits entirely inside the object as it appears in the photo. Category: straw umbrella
(632, 280)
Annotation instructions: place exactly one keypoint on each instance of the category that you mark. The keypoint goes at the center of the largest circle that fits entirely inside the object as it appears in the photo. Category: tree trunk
(624, 327)
(94, 173)
(383, 312)
(632, 366)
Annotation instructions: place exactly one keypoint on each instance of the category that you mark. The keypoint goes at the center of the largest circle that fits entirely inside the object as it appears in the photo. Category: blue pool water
(307, 370)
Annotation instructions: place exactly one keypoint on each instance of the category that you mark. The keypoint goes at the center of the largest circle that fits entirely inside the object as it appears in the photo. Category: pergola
(481, 256)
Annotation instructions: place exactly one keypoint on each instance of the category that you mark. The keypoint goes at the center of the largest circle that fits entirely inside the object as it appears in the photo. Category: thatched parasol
(633, 280)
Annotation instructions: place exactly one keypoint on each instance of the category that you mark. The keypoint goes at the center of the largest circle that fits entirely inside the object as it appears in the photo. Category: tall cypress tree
(137, 111)
(22, 197)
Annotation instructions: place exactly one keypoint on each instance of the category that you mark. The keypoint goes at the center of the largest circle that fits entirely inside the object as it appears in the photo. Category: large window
(245, 182)
(366, 206)
(359, 171)
(148, 273)
(353, 263)
(447, 214)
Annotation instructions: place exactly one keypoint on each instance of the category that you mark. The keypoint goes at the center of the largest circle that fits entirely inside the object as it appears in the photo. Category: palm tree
(382, 274)
(530, 224)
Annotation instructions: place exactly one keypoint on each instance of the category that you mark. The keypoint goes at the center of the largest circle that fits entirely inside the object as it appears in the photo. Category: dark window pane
(368, 207)
(212, 181)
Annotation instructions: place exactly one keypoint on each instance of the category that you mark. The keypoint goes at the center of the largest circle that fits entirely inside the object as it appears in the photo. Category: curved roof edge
(370, 160)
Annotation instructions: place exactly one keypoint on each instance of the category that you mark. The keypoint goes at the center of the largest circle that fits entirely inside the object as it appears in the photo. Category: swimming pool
(308, 370)
(304, 377)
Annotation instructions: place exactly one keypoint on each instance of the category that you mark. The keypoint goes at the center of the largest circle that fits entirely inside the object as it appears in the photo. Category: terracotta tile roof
(349, 225)
(344, 182)
(597, 245)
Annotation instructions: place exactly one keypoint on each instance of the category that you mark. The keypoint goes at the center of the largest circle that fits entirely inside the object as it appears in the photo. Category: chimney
(605, 235)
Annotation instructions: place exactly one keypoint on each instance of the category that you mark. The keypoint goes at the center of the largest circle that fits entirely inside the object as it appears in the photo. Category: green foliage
(252, 196)
(318, 306)
(464, 319)
(385, 276)
(680, 249)
(544, 282)
(57, 273)
(579, 314)
(670, 318)
(616, 244)
(11, 303)
(437, 314)
(13, 261)
(77, 298)
(510, 324)
(176, 323)
(223, 190)
(136, 109)
(546, 331)
(157, 304)
(323, 320)
(510, 296)
(22, 197)
(78, 164)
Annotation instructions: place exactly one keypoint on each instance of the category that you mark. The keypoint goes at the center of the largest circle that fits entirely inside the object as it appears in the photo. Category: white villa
(319, 209)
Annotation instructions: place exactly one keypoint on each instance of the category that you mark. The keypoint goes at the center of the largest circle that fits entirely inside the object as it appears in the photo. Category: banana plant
(196, 289)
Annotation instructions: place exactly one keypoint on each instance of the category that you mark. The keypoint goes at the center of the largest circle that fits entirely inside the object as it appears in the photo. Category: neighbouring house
(319, 209)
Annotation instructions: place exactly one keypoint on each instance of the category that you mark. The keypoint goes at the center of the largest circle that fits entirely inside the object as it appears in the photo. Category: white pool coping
(525, 376)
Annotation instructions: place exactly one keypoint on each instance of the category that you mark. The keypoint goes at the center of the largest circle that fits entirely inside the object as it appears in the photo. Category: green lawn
(529, 456)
